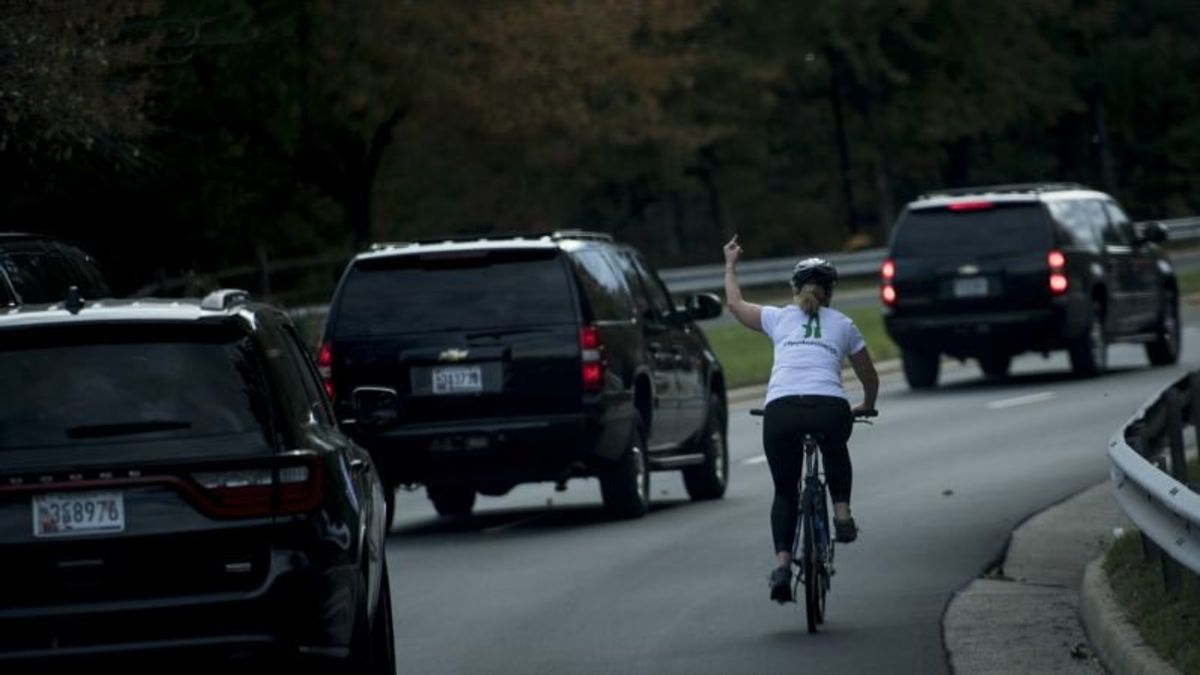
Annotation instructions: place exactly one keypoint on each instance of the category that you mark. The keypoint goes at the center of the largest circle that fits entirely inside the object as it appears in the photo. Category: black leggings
(785, 422)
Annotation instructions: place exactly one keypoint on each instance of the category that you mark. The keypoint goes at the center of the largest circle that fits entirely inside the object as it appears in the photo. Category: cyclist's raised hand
(733, 251)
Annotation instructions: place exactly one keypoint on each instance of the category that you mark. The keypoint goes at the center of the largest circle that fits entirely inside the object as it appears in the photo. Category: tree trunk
(357, 206)
(839, 131)
(957, 170)
(1102, 150)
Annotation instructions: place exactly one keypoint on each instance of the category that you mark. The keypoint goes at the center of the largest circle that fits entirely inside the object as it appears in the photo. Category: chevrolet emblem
(968, 270)
(453, 355)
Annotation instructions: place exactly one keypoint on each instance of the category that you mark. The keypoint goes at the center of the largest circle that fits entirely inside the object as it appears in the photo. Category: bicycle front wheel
(814, 574)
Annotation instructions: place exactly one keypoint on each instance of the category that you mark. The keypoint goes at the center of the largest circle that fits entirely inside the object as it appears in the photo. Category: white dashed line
(755, 460)
(1021, 400)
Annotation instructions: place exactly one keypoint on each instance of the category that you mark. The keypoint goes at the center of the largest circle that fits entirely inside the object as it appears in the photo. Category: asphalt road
(540, 582)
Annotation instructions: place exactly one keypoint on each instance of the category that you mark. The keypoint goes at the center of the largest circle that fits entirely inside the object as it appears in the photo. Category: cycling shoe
(781, 584)
(845, 531)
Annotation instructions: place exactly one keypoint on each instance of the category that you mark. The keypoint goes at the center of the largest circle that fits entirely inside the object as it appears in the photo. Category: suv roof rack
(580, 234)
(225, 298)
(1006, 188)
(555, 235)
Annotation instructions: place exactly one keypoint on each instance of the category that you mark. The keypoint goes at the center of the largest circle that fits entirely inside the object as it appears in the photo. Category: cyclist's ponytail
(811, 297)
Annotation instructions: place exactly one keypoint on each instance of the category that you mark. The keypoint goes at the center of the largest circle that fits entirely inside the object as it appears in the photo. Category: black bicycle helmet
(814, 270)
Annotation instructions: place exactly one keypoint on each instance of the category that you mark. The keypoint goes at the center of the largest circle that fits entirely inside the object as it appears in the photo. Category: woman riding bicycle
(805, 395)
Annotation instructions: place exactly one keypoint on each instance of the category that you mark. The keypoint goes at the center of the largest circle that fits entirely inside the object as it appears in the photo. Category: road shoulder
(1024, 615)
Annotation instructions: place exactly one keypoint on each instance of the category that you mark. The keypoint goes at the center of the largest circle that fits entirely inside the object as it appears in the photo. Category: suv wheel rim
(1098, 348)
(1171, 329)
(640, 477)
(718, 448)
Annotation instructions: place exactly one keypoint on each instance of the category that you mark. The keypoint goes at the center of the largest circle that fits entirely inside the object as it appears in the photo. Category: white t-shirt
(809, 351)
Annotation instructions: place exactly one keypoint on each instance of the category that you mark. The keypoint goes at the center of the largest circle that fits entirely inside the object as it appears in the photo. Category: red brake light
(259, 491)
(593, 376)
(888, 271)
(970, 206)
(1056, 260)
(325, 367)
(1058, 283)
(888, 294)
(589, 337)
(592, 357)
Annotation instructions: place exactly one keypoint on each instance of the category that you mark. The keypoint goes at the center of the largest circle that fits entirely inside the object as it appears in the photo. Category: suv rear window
(467, 290)
(63, 391)
(1004, 229)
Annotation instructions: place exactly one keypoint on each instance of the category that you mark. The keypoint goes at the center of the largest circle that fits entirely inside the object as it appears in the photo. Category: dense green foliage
(211, 133)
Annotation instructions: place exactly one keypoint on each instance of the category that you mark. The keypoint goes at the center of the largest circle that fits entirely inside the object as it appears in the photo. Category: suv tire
(921, 368)
(451, 500)
(389, 502)
(709, 480)
(1164, 351)
(1089, 353)
(625, 483)
(995, 365)
(383, 643)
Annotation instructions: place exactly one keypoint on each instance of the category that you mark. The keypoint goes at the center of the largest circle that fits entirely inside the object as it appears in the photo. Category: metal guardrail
(1149, 475)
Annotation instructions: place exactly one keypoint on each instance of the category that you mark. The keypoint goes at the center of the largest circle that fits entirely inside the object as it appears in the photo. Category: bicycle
(812, 547)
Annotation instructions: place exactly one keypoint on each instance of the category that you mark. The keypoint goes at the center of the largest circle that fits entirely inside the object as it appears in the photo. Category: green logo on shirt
(812, 329)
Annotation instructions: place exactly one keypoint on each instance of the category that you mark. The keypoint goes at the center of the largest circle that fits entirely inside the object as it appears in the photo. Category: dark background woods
(175, 135)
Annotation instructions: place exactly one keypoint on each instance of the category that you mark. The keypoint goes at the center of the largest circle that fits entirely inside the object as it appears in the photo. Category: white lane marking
(1021, 400)
(755, 460)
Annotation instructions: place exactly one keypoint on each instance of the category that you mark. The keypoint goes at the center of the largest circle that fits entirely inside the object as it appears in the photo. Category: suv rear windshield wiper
(126, 428)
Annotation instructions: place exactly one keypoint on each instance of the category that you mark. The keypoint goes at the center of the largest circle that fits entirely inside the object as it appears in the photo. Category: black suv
(36, 269)
(991, 272)
(173, 485)
(470, 366)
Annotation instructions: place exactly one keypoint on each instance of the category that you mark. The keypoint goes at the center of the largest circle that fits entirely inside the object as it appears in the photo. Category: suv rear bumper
(501, 451)
(973, 335)
(299, 613)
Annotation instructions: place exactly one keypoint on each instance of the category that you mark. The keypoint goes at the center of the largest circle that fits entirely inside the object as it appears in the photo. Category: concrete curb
(1116, 641)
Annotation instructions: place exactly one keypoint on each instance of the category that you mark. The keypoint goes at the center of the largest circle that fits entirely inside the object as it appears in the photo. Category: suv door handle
(358, 464)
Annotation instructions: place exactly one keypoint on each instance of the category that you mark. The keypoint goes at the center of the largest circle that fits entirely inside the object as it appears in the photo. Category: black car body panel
(251, 524)
(518, 314)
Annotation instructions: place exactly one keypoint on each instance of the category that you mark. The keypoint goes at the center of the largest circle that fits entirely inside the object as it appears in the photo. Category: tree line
(173, 135)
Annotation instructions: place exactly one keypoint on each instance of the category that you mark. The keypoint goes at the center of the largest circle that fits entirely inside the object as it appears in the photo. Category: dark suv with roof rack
(990, 272)
(173, 486)
(474, 365)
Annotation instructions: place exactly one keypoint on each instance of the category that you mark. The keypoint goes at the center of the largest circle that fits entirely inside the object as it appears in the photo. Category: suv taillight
(325, 367)
(887, 292)
(248, 492)
(592, 359)
(1058, 278)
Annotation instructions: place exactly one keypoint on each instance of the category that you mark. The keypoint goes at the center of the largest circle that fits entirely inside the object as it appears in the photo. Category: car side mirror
(701, 306)
(376, 407)
(1153, 232)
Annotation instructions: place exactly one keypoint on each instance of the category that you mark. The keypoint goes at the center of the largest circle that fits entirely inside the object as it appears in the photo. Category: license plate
(457, 380)
(970, 288)
(64, 514)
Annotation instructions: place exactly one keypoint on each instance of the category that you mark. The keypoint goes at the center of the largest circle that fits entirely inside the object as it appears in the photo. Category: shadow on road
(1025, 380)
(540, 519)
